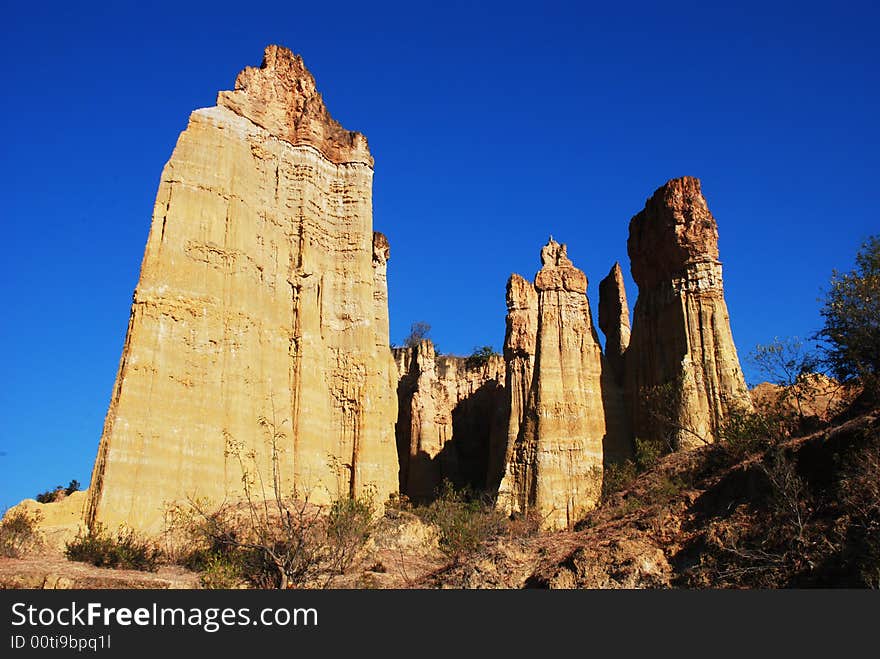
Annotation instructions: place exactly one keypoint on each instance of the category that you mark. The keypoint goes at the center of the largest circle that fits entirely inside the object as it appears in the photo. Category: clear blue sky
(492, 126)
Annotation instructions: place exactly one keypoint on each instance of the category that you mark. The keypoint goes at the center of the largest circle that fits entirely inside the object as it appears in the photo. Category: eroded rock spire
(555, 463)
(614, 320)
(681, 337)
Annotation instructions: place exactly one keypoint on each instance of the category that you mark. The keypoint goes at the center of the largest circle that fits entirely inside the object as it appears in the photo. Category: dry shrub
(285, 543)
(465, 520)
(124, 550)
(20, 533)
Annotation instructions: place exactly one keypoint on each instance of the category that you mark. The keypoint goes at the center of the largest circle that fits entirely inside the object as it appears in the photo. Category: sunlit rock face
(555, 465)
(257, 354)
(257, 346)
(681, 334)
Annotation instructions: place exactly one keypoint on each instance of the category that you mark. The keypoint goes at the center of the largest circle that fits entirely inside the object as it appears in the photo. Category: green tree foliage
(59, 492)
(480, 356)
(851, 311)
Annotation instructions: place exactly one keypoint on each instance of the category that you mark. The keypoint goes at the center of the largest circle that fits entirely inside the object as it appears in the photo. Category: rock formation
(519, 359)
(257, 347)
(614, 323)
(59, 521)
(681, 355)
(451, 420)
(258, 335)
(555, 465)
(614, 320)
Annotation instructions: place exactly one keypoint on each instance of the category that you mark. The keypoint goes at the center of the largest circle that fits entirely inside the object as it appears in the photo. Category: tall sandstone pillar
(555, 465)
(261, 311)
(681, 336)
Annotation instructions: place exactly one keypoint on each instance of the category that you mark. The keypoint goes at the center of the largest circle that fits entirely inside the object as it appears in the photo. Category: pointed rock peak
(615, 275)
(558, 272)
(522, 317)
(613, 284)
(424, 355)
(281, 96)
(674, 229)
(613, 306)
(553, 254)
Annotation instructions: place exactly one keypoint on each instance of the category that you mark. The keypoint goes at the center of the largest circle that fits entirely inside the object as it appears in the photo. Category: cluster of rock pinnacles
(259, 337)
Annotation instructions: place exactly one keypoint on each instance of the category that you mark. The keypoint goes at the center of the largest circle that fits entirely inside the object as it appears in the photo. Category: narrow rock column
(614, 320)
(519, 359)
(555, 467)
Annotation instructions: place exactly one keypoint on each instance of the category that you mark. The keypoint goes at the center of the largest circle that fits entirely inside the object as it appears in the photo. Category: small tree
(851, 310)
(480, 357)
(274, 539)
(787, 363)
(672, 420)
(50, 496)
(418, 332)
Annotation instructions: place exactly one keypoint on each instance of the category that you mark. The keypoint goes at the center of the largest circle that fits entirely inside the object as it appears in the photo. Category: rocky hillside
(805, 512)
(743, 513)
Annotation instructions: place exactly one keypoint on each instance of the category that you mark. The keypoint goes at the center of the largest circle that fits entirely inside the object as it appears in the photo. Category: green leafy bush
(480, 357)
(648, 453)
(745, 432)
(221, 571)
(617, 476)
(50, 496)
(667, 488)
(350, 522)
(851, 311)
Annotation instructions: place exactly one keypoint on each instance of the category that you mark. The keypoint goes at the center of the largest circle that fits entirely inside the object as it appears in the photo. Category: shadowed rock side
(261, 311)
(681, 330)
(614, 323)
(452, 414)
(555, 465)
(614, 320)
